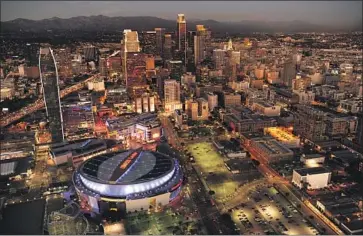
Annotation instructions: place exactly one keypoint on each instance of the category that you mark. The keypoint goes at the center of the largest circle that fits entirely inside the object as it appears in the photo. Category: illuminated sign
(128, 160)
(177, 185)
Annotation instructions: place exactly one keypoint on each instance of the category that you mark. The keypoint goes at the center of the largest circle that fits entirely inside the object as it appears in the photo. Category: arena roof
(117, 168)
(130, 174)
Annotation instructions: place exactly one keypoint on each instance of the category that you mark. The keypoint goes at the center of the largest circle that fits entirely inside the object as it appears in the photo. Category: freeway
(14, 116)
(307, 208)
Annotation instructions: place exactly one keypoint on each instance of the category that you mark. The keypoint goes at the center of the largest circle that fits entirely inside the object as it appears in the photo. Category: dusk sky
(324, 12)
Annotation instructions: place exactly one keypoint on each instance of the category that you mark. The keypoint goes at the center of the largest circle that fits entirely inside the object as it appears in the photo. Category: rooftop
(271, 146)
(116, 167)
(312, 171)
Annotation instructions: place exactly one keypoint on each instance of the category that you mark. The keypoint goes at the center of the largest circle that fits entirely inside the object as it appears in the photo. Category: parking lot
(266, 211)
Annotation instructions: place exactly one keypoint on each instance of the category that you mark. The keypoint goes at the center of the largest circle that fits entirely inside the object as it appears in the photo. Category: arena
(127, 181)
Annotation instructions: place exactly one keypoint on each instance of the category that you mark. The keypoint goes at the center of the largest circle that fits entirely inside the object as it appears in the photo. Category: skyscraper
(176, 69)
(200, 41)
(219, 58)
(148, 42)
(190, 50)
(167, 55)
(49, 77)
(131, 41)
(90, 53)
(31, 54)
(289, 73)
(172, 95)
(160, 32)
(182, 36)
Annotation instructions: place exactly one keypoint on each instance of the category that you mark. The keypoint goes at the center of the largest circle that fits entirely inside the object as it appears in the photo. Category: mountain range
(139, 23)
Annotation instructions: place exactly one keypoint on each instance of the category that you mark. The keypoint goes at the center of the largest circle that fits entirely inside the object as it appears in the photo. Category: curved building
(49, 78)
(128, 181)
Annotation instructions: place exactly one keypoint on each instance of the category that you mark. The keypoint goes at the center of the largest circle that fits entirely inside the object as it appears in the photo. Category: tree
(211, 192)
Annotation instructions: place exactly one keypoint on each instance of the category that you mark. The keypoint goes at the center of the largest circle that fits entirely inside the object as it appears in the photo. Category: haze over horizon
(339, 13)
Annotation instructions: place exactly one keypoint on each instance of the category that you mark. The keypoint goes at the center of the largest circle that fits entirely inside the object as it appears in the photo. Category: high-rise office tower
(167, 47)
(49, 77)
(171, 91)
(200, 50)
(172, 95)
(148, 42)
(219, 58)
(160, 32)
(102, 67)
(135, 69)
(289, 73)
(235, 57)
(31, 54)
(182, 37)
(190, 50)
(176, 69)
(90, 54)
(131, 41)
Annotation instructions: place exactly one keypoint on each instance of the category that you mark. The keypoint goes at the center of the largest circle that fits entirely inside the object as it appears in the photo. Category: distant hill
(105, 23)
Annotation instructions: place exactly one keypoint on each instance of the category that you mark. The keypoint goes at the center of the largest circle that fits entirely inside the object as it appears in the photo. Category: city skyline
(163, 124)
(313, 12)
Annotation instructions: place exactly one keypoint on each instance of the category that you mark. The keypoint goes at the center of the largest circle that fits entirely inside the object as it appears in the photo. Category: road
(169, 132)
(320, 221)
(14, 116)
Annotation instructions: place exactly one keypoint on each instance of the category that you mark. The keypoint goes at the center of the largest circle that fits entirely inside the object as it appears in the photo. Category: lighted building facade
(172, 95)
(131, 41)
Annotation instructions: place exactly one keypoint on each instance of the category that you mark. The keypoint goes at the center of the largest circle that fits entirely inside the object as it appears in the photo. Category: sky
(318, 12)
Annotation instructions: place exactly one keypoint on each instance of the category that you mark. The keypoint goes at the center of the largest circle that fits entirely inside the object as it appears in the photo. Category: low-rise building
(265, 108)
(244, 120)
(283, 136)
(77, 152)
(311, 178)
(270, 149)
(231, 99)
(312, 160)
(351, 105)
(144, 127)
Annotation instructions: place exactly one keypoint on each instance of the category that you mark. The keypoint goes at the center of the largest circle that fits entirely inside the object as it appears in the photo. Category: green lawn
(211, 164)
